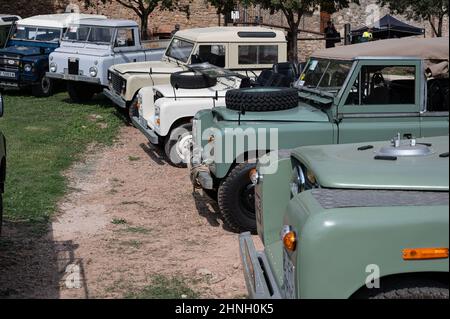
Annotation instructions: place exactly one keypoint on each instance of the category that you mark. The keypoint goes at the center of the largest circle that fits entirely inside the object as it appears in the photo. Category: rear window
(258, 54)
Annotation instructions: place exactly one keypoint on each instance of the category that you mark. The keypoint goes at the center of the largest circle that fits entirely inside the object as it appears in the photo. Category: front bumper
(200, 175)
(259, 278)
(142, 126)
(10, 85)
(116, 98)
(72, 77)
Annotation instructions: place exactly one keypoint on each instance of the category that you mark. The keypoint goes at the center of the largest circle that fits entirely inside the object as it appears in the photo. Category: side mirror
(1, 105)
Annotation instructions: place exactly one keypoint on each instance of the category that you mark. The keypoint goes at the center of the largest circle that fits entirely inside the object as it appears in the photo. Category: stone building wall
(202, 15)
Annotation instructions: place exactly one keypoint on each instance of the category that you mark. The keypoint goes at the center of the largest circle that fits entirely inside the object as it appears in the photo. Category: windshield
(97, 35)
(30, 33)
(180, 50)
(325, 75)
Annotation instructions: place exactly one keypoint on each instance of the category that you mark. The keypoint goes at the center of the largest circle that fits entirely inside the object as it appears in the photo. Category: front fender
(336, 246)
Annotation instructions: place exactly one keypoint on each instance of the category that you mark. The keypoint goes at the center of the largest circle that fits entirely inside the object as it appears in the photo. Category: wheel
(80, 92)
(410, 290)
(236, 198)
(191, 80)
(262, 99)
(178, 145)
(133, 110)
(44, 88)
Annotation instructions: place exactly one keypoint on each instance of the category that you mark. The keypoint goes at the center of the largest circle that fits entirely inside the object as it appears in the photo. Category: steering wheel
(378, 78)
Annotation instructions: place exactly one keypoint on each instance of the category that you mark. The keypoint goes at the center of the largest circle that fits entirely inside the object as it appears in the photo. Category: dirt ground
(129, 216)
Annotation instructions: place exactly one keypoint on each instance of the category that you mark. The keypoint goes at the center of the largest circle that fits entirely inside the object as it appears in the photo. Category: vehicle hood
(23, 51)
(343, 166)
(302, 113)
(145, 67)
(83, 49)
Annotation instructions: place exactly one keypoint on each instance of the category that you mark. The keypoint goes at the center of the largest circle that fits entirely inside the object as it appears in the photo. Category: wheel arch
(393, 280)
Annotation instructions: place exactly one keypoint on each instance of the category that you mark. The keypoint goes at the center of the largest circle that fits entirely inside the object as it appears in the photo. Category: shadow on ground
(33, 265)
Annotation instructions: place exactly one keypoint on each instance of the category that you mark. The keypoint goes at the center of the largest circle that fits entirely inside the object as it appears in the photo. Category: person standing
(331, 35)
(368, 35)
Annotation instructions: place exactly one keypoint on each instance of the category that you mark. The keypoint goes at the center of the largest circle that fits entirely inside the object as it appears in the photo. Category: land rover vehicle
(164, 112)
(247, 49)
(6, 22)
(2, 164)
(362, 92)
(363, 220)
(24, 60)
(88, 49)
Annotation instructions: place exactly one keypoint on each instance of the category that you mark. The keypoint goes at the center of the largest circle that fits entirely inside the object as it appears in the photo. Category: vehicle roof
(232, 34)
(343, 166)
(62, 20)
(427, 49)
(5, 16)
(114, 23)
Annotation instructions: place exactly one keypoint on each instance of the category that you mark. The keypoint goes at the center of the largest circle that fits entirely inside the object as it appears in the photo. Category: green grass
(44, 138)
(165, 288)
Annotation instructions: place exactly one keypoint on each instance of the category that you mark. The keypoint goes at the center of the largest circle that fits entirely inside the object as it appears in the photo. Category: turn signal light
(290, 241)
(425, 253)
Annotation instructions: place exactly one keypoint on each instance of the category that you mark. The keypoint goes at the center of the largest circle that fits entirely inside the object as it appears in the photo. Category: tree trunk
(144, 26)
(293, 44)
(441, 23)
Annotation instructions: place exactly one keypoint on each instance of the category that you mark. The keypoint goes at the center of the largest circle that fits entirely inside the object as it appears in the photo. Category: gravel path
(128, 217)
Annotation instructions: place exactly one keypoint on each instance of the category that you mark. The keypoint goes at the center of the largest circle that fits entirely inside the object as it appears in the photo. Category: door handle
(408, 136)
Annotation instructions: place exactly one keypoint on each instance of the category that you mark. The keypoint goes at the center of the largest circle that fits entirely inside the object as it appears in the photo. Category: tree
(294, 10)
(224, 7)
(433, 11)
(143, 9)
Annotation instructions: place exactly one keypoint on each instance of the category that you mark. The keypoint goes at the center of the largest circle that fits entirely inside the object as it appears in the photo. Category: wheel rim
(183, 146)
(247, 200)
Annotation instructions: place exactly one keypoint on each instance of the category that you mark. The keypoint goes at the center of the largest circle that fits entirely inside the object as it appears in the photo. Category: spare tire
(191, 80)
(262, 99)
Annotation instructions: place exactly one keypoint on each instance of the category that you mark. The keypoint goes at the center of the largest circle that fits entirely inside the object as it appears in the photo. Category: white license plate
(71, 77)
(288, 277)
(7, 74)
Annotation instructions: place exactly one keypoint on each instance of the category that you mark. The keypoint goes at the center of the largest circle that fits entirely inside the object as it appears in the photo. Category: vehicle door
(213, 53)
(382, 98)
(127, 48)
(434, 119)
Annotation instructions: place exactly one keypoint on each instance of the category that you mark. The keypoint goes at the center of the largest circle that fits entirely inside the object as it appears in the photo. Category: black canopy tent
(386, 28)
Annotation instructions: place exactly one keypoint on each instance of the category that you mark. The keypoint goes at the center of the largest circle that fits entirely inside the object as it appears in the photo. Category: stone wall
(203, 15)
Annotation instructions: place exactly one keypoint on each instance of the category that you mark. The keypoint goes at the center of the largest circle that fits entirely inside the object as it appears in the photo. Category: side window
(214, 54)
(125, 38)
(258, 54)
(383, 85)
(437, 97)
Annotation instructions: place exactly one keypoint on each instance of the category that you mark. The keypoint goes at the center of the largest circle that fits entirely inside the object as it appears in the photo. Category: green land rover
(2, 164)
(365, 220)
(350, 94)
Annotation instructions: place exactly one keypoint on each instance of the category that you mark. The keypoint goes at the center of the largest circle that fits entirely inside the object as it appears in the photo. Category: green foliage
(429, 10)
(165, 288)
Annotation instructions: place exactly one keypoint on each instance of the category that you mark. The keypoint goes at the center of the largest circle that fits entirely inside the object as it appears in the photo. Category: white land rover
(164, 113)
(245, 49)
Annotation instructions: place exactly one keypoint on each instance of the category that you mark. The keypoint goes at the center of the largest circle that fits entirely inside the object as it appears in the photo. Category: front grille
(74, 66)
(9, 63)
(117, 83)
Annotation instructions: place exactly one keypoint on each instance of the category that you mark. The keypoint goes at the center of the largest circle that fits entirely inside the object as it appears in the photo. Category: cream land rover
(243, 49)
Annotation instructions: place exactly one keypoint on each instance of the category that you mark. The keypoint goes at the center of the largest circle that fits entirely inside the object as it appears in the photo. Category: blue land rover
(25, 58)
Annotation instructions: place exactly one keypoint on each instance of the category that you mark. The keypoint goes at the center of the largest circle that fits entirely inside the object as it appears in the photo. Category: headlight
(109, 76)
(28, 67)
(124, 86)
(302, 180)
(93, 71)
(53, 67)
